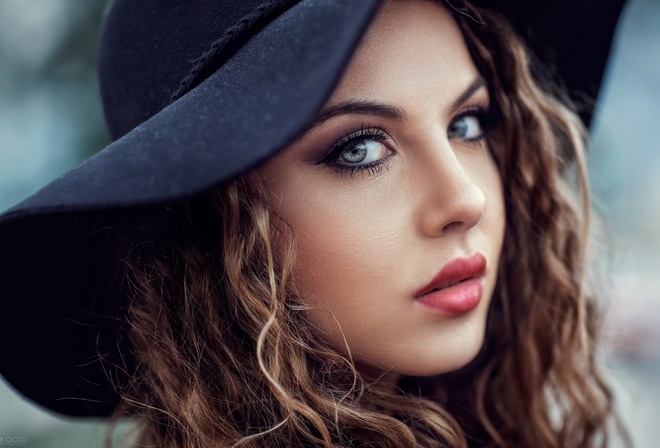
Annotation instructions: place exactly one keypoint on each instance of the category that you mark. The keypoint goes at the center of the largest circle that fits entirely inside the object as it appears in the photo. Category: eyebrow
(359, 108)
(471, 90)
(385, 110)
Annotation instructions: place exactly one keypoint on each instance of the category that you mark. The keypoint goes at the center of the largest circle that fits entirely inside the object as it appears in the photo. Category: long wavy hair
(226, 358)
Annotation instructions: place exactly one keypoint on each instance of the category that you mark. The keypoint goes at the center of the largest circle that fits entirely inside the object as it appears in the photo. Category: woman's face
(394, 196)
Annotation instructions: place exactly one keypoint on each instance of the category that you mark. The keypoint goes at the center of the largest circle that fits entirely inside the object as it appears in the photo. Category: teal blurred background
(51, 119)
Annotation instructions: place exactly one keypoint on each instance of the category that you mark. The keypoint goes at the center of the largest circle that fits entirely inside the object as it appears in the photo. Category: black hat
(196, 93)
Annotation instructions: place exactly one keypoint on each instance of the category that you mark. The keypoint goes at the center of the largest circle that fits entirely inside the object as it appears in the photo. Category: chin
(447, 361)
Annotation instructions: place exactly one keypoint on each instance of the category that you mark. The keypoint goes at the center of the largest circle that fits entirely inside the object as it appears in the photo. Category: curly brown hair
(225, 356)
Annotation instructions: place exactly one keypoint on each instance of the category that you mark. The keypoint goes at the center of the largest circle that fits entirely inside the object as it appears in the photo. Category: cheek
(498, 210)
(342, 244)
(349, 248)
(491, 184)
(486, 175)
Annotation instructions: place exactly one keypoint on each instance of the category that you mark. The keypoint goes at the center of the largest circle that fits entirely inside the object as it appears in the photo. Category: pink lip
(457, 288)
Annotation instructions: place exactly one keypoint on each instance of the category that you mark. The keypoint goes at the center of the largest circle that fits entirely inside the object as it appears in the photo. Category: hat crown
(149, 46)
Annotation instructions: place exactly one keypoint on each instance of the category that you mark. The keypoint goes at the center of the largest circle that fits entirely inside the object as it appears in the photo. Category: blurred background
(51, 119)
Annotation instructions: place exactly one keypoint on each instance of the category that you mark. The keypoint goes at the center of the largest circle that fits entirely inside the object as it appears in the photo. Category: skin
(369, 240)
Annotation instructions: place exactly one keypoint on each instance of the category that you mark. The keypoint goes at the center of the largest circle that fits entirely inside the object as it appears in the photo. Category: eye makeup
(473, 125)
(365, 150)
(368, 149)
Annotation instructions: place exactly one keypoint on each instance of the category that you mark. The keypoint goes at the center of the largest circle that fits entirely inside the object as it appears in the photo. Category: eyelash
(487, 121)
(483, 113)
(366, 132)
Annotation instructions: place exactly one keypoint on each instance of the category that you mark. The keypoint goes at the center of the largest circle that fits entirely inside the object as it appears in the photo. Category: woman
(351, 226)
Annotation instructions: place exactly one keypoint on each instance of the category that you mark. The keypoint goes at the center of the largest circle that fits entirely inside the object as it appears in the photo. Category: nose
(452, 201)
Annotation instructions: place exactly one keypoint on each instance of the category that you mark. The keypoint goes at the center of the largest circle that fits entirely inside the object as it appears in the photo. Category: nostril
(452, 226)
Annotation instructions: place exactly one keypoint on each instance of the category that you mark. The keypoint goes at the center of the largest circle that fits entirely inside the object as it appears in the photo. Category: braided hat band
(202, 65)
(153, 52)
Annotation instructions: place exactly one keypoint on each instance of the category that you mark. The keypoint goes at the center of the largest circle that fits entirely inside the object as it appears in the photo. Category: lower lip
(456, 299)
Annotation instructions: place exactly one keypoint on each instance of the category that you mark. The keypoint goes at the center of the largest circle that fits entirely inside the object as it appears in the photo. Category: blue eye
(468, 126)
(367, 150)
(363, 150)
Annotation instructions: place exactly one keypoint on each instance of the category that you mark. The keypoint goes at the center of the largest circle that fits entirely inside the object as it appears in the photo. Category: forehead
(410, 42)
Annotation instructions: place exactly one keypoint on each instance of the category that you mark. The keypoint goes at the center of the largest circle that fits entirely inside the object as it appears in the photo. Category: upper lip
(455, 271)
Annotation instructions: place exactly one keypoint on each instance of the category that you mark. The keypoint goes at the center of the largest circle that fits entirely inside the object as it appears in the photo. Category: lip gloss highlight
(457, 288)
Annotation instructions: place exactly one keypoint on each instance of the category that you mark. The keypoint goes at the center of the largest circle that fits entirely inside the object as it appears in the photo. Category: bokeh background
(51, 119)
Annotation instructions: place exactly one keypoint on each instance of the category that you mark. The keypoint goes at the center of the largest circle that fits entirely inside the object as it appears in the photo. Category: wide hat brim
(59, 338)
